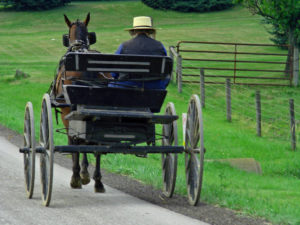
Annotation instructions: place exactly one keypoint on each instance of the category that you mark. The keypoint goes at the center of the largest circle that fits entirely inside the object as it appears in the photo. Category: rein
(78, 46)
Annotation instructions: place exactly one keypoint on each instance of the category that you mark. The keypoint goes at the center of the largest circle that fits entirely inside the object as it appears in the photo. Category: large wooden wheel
(29, 143)
(169, 160)
(194, 150)
(47, 157)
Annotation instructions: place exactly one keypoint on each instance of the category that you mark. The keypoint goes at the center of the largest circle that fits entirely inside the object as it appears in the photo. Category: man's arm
(119, 50)
(166, 53)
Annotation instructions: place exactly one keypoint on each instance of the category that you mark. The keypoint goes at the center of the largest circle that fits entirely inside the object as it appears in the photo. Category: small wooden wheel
(169, 160)
(46, 158)
(29, 142)
(194, 150)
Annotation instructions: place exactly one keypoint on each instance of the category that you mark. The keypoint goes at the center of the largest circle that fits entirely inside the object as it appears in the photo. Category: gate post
(172, 57)
(179, 73)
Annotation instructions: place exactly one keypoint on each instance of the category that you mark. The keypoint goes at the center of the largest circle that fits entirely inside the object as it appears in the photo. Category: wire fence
(267, 110)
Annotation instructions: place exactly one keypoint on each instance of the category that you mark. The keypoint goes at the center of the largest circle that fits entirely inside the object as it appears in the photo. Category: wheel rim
(194, 150)
(46, 158)
(169, 160)
(29, 142)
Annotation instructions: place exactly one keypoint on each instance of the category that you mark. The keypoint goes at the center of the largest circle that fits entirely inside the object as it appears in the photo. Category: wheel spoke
(171, 136)
(26, 134)
(26, 162)
(196, 132)
(167, 133)
(27, 140)
(42, 132)
(188, 142)
(164, 161)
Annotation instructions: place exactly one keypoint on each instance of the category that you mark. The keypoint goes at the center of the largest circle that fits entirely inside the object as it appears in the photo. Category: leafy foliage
(284, 15)
(279, 36)
(189, 5)
(34, 4)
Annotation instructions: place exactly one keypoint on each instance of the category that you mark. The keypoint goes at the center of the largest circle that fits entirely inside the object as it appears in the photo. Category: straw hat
(142, 23)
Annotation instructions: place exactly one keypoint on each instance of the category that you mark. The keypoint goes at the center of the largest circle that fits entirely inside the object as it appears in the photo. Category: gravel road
(85, 207)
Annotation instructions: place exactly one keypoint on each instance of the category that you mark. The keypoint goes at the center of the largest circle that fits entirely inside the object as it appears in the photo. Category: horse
(78, 42)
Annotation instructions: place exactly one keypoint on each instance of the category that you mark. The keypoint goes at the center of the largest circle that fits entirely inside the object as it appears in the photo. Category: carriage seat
(141, 68)
(130, 67)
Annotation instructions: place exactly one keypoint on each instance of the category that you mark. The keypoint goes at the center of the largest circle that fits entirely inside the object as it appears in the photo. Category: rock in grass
(21, 75)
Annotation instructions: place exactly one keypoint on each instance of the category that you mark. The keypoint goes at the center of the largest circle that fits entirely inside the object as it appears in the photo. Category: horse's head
(78, 38)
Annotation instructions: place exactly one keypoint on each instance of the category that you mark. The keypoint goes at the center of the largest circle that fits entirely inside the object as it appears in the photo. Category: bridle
(81, 43)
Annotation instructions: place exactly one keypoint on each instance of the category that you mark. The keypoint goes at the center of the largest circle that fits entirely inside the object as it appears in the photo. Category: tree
(284, 15)
(34, 4)
(279, 36)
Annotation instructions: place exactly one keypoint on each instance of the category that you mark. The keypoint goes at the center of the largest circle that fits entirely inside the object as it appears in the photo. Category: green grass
(31, 41)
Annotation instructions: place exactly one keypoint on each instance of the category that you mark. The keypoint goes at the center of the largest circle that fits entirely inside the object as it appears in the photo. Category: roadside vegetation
(32, 42)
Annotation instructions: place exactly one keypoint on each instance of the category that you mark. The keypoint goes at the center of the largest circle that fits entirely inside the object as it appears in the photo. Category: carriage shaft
(119, 149)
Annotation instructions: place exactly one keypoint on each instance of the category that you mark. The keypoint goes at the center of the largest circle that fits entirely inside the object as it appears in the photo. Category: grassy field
(32, 42)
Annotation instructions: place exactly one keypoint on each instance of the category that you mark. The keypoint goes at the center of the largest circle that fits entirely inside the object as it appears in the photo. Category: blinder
(91, 36)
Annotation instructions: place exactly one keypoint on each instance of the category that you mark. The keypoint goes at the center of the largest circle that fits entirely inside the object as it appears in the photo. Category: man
(142, 43)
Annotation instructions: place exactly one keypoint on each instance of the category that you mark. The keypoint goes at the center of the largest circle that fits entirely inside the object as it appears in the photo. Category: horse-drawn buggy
(102, 116)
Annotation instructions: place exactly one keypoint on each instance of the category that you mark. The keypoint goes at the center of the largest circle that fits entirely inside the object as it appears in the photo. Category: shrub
(189, 5)
(34, 4)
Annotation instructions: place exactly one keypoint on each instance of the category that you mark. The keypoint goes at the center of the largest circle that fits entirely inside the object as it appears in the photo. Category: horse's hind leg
(99, 187)
(84, 173)
(75, 179)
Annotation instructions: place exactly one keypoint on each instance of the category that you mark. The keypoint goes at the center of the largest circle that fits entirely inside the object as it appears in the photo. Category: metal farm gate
(245, 64)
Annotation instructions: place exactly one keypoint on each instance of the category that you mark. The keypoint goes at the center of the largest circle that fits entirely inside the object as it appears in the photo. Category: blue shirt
(157, 84)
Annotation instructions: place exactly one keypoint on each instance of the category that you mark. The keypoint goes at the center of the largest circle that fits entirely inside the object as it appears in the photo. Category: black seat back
(136, 67)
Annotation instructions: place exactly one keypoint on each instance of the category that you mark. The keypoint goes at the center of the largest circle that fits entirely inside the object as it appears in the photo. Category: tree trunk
(296, 65)
(289, 59)
(292, 64)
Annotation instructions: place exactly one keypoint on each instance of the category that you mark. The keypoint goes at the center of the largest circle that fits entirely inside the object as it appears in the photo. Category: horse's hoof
(85, 177)
(99, 187)
(75, 182)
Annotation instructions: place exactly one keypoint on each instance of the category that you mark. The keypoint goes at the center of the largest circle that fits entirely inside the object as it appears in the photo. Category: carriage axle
(108, 149)
(39, 149)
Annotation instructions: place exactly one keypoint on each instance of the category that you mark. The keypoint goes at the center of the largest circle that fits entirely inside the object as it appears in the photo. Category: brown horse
(78, 41)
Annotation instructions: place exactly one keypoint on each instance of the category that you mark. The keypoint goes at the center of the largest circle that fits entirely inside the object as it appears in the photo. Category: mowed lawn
(32, 42)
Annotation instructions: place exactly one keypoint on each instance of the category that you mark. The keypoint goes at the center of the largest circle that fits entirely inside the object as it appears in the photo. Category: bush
(34, 4)
(189, 5)
(100, 0)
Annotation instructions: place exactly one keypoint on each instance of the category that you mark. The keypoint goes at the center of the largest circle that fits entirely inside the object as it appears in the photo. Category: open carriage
(116, 120)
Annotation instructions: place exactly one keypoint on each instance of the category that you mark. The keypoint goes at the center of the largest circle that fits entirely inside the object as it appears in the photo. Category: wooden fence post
(258, 113)
(295, 65)
(202, 88)
(179, 73)
(228, 99)
(293, 128)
